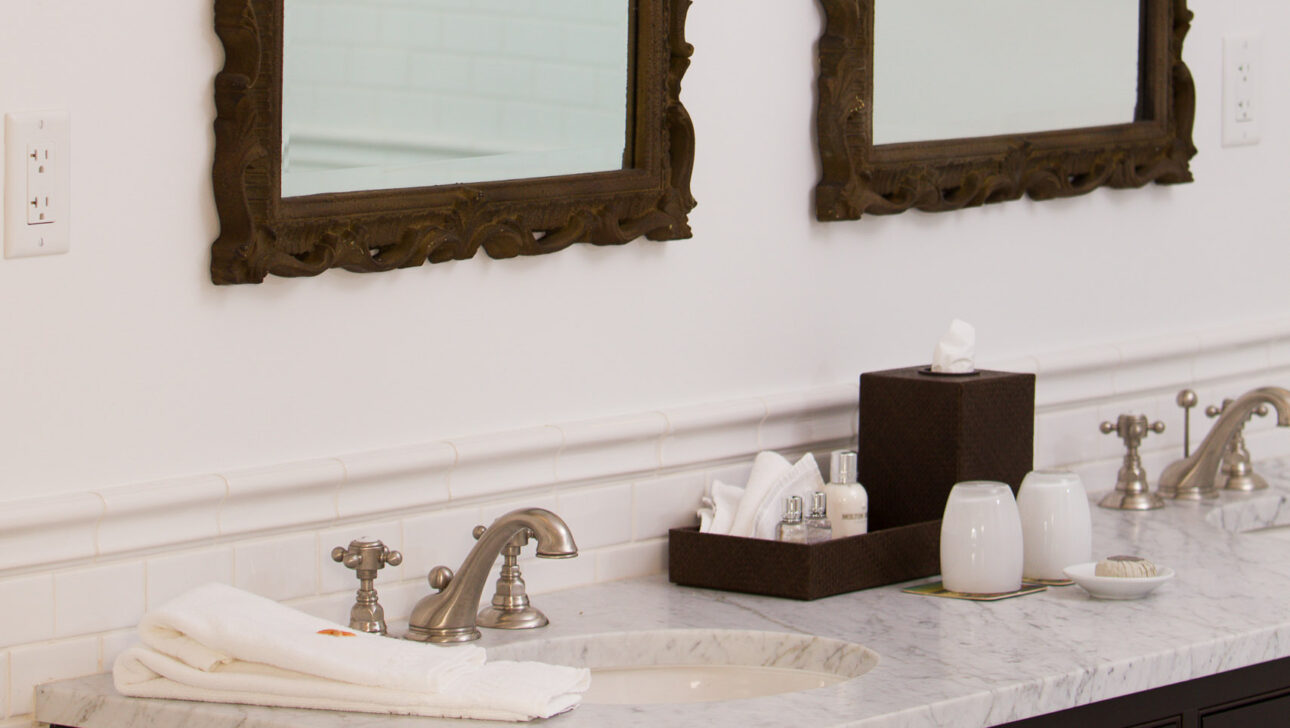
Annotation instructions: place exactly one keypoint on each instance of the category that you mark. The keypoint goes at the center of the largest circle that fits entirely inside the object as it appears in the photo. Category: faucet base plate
(524, 618)
(1143, 501)
(442, 635)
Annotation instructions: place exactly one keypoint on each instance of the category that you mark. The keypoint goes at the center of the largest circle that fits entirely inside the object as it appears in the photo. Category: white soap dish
(1116, 587)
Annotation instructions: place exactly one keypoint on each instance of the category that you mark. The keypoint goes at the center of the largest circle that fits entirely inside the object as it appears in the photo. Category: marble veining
(941, 662)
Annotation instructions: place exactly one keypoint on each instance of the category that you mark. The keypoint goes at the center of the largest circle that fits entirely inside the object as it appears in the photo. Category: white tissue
(956, 351)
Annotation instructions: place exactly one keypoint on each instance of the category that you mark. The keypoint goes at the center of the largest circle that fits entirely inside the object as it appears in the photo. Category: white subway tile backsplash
(825, 414)
(610, 447)
(1068, 436)
(295, 494)
(63, 526)
(632, 560)
(547, 575)
(173, 574)
(98, 599)
(175, 511)
(490, 464)
(600, 516)
(489, 512)
(1224, 354)
(438, 538)
(4, 686)
(279, 568)
(32, 665)
(712, 432)
(26, 610)
(1157, 363)
(331, 607)
(1074, 377)
(668, 502)
(334, 577)
(392, 481)
(111, 646)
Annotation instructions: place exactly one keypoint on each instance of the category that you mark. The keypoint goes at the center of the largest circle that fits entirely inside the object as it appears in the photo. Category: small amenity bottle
(791, 528)
(847, 500)
(818, 527)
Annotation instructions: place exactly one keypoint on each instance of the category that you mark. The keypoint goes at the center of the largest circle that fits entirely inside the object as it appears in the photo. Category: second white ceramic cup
(1055, 523)
(981, 541)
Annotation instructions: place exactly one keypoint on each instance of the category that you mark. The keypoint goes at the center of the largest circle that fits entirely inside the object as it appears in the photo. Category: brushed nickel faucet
(449, 615)
(1193, 477)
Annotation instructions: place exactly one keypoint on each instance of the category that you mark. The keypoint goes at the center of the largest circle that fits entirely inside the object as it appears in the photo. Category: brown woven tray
(802, 571)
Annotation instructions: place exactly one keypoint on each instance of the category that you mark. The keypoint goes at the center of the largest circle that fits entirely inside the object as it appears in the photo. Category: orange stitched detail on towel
(336, 633)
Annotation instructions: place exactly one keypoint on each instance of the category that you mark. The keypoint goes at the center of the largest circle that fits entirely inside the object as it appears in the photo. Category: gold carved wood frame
(859, 178)
(262, 233)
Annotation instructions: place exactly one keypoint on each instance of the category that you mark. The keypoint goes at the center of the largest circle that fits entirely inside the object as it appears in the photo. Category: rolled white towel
(220, 644)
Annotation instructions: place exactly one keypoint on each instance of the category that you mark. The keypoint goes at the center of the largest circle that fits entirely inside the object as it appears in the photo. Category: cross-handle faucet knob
(366, 554)
(366, 557)
(1132, 429)
(1212, 411)
(1236, 469)
(1132, 492)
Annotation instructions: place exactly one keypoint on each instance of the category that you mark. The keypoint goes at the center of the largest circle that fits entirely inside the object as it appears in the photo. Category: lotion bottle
(848, 501)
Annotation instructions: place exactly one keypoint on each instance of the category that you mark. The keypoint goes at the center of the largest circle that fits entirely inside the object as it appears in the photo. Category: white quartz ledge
(941, 662)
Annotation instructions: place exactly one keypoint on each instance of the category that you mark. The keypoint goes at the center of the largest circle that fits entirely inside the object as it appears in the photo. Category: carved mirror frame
(860, 178)
(262, 233)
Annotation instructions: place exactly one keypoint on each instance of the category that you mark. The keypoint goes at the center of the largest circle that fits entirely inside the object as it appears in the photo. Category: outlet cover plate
(1242, 90)
(25, 184)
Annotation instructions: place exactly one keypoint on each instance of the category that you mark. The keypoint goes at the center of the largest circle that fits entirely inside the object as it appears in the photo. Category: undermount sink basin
(697, 665)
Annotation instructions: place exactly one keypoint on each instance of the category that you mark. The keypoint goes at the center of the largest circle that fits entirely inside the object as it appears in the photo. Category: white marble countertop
(943, 662)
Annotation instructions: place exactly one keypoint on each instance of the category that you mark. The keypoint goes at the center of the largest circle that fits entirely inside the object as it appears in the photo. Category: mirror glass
(948, 69)
(391, 94)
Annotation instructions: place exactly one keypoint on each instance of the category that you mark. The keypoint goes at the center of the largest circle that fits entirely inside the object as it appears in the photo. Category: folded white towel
(725, 504)
(219, 644)
(802, 480)
(767, 468)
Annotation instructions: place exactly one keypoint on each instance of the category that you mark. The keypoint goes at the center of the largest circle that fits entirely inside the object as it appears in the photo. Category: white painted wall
(123, 363)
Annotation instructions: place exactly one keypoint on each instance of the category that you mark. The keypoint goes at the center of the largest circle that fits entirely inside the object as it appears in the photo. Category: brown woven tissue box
(922, 433)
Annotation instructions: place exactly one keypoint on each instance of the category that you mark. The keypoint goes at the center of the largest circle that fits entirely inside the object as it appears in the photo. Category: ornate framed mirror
(370, 135)
(940, 104)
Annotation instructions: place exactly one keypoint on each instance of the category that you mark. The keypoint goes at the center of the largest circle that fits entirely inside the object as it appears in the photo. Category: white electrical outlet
(37, 184)
(1242, 77)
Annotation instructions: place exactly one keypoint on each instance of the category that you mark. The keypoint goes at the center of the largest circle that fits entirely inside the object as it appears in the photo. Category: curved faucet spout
(1192, 478)
(449, 616)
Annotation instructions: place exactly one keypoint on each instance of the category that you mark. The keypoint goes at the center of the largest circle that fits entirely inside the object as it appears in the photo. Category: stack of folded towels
(219, 644)
(754, 510)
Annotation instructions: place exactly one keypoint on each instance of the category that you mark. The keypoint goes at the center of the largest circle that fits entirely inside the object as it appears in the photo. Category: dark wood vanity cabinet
(1251, 697)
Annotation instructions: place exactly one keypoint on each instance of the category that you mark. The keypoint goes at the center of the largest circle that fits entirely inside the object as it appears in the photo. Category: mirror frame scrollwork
(861, 178)
(262, 233)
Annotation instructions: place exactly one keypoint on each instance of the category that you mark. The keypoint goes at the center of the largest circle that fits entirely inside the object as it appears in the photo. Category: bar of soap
(1125, 567)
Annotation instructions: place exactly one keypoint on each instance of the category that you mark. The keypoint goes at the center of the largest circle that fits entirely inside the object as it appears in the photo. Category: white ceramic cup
(981, 542)
(1055, 523)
